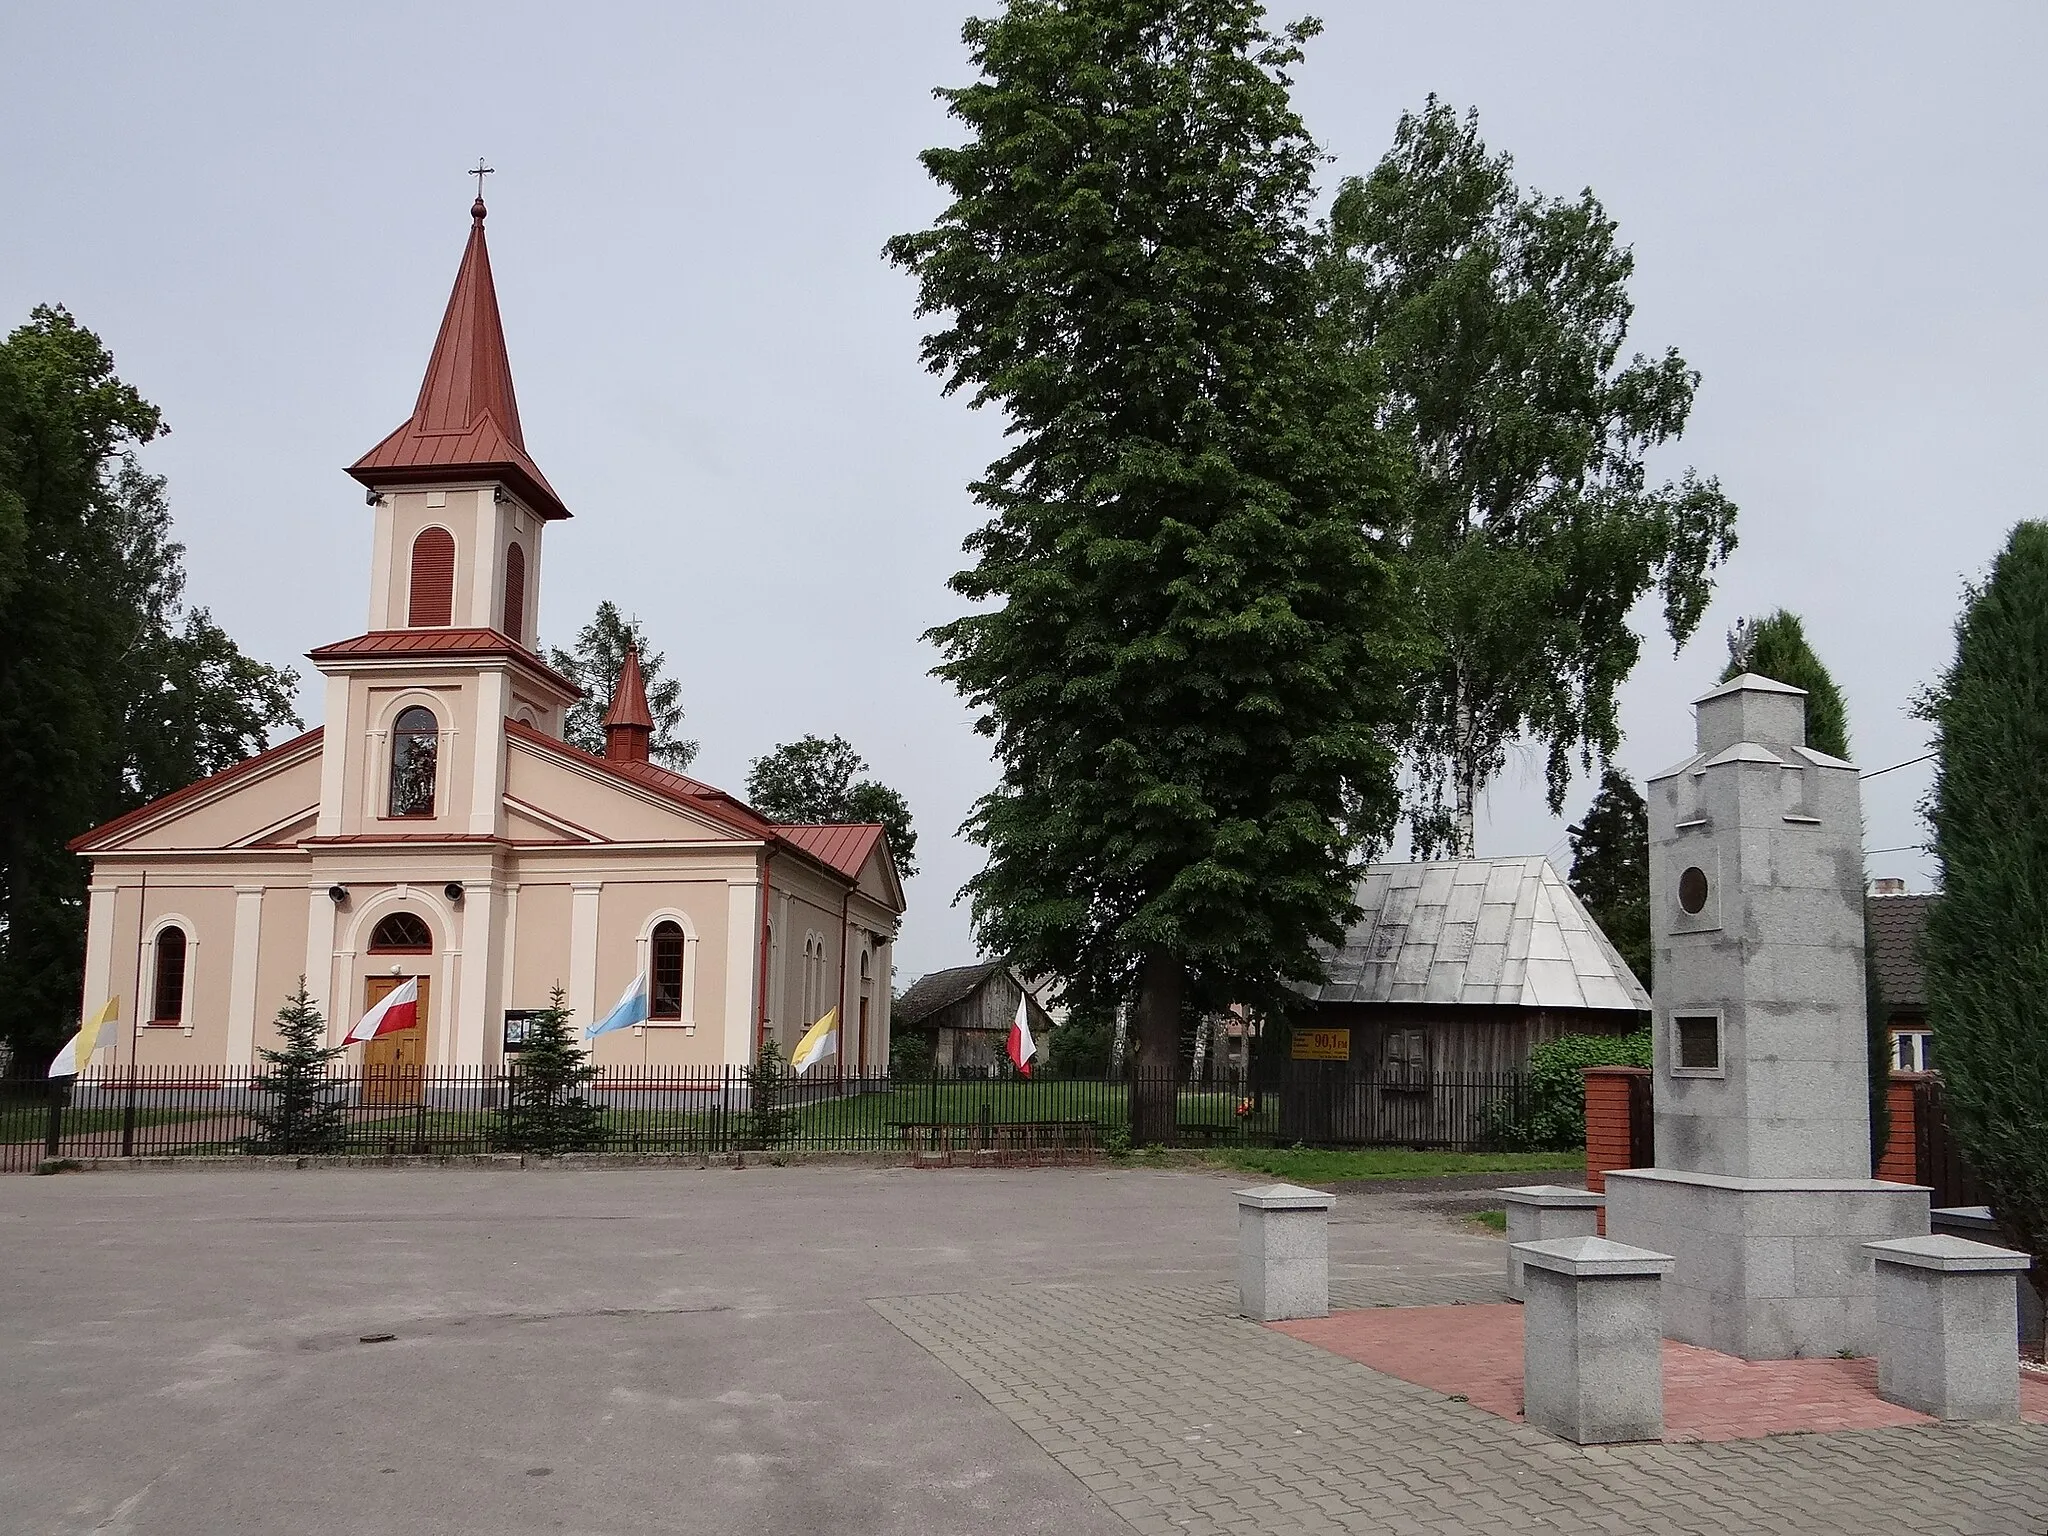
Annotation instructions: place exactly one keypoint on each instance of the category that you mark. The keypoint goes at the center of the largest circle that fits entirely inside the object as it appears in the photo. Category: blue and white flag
(631, 1008)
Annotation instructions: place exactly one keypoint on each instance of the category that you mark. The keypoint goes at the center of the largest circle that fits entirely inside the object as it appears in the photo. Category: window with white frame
(1913, 1050)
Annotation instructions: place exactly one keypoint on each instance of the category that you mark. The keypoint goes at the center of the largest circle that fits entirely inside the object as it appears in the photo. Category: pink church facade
(437, 825)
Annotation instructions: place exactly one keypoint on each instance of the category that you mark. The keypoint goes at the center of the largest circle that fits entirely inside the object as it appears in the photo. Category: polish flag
(1022, 1047)
(400, 1009)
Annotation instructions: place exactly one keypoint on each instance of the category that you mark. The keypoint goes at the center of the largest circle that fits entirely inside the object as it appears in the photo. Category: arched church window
(402, 933)
(415, 745)
(432, 602)
(515, 593)
(666, 965)
(167, 1005)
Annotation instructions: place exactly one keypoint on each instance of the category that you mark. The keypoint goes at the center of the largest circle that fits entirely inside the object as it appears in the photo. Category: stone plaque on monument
(1762, 1190)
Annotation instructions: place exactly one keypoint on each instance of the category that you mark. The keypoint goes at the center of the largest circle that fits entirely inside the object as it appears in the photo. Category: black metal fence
(183, 1111)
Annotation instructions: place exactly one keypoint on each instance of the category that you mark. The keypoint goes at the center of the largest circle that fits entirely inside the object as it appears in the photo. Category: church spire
(628, 724)
(465, 424)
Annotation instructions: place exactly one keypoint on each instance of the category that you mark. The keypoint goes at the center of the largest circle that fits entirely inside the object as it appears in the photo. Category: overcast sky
(1837, 213)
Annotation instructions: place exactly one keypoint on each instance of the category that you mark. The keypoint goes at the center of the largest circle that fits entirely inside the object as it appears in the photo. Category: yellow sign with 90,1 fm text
(1322, 1045)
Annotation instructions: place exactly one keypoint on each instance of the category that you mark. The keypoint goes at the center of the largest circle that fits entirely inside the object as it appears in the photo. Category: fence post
(128, 1114)
(53, 1133)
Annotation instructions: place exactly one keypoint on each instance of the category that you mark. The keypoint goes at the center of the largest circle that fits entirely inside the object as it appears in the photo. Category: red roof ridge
(465, 423)
(197, 787)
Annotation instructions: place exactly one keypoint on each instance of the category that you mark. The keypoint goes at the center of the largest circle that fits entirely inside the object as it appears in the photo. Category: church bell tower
(416, 705)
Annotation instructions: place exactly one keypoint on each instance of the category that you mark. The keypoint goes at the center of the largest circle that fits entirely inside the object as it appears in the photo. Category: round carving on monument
(1692, 889)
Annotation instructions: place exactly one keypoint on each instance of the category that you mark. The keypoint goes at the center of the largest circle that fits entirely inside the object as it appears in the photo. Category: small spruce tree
(1987, 938)
(768, 1115)
(301, 1110)
(1611, 869)
(545, 1108)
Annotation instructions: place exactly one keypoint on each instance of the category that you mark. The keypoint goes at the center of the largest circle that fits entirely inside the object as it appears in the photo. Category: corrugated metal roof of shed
(1488, 931)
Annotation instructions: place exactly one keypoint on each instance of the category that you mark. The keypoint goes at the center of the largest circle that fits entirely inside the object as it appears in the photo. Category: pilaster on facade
(583, 912)
(321, 959)
(487, 790)
(743, 903)
(241, 1048)
(481, 967)
(334, 760)
(101, 902)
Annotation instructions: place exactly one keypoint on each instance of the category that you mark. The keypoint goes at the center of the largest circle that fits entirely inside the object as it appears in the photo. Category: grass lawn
(29, 1122)
(867, 1117)
(1309, 1166)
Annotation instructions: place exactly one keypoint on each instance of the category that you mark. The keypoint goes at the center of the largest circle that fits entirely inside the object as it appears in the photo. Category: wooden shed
(968, 1011)
(1451, 973)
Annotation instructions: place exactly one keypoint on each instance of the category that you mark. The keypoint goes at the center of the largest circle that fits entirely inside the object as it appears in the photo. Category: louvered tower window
(515, 593)
(432, 602)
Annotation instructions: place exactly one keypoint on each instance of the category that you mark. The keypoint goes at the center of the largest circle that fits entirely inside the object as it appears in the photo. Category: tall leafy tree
(1775, 646)
(111, 691)
(814, 780)
(1180, 646)
(594, 663)
(1987, 938)
(1497, 318)
(1611, 868)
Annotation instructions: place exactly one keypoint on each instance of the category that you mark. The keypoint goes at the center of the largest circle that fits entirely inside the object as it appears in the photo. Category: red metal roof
(465, 425)
(629, 699)
(843, 846)
(191, 791)
(436, 644)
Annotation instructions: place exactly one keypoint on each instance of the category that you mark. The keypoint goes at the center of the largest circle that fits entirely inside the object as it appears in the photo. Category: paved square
(806, 1350)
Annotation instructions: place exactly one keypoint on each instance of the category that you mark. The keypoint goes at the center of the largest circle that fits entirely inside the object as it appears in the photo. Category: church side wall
(540, 950)
(627, 910)
(280, 955)
(203, 905)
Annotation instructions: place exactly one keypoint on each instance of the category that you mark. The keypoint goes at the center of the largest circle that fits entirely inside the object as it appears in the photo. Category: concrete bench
(1593, 1339)
(1283, 1252)
(1539, 1212)
(1948, 1326)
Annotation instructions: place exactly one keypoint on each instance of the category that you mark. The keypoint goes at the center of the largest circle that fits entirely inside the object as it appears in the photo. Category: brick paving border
(1186, 1419)
(1476, 1352)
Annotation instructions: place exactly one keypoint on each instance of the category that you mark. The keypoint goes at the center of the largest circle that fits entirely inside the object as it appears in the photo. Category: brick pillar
(1607, 1135)
(1900, 1164)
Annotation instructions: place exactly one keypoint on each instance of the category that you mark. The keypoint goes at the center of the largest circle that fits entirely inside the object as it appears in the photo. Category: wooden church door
(394, 1064)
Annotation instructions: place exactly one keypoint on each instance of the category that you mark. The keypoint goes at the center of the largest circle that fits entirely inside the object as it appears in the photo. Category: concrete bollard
(1593, 1339)
(1948, 1326)
(1539, 1212)
(1283, 1252)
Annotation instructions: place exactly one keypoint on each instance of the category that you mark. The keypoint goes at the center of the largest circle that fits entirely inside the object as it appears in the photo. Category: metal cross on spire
(480, 173)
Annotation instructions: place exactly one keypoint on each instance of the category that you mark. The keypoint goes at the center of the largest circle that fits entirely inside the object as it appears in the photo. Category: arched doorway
(395, 1064)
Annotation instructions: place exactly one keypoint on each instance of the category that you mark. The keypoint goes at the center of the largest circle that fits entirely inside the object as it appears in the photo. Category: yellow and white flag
(820, 1040)
(77, 1053)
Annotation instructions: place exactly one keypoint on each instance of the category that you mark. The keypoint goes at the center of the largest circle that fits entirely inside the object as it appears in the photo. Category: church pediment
(563, 795)
(266, 801)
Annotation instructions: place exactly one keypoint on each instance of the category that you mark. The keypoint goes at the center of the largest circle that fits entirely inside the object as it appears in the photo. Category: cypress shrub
(1987, 938)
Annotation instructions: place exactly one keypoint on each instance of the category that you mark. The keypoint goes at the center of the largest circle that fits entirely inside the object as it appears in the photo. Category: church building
(438, 826)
